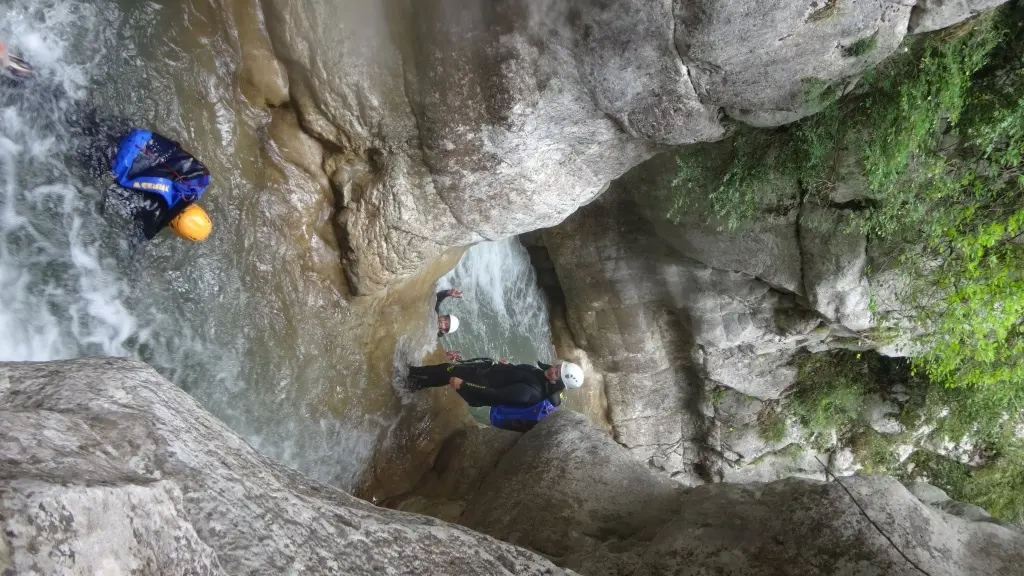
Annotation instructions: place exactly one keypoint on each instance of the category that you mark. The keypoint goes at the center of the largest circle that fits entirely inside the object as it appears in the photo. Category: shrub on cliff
(828, 400)
(937, 133)
(936, 136)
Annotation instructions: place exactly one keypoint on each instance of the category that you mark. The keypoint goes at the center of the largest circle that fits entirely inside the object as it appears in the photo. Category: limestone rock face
(834, 266)
(578, 506)
(465, 460)
(931, 15)
(456, 121)
(772, 62)
(452, 121)
(768, 248)
(674, 309)
(664, 329)
(108, 468)
(569, 492)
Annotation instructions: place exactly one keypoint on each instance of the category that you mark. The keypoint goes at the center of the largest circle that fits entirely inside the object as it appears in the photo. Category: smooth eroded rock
(775, 61)
(567, 491)
(108, 468)
(931, 15)
(454, 121)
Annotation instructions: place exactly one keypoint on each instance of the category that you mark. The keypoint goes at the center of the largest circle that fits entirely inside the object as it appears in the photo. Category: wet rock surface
(451, 122)
(109, 468)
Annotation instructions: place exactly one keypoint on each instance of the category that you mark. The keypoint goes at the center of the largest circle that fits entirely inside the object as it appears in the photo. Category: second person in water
(446, 323)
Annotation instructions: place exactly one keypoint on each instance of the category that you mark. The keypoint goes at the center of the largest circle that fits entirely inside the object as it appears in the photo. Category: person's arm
(153, 214)
(440, 298)
(451, 292)
(556, 399)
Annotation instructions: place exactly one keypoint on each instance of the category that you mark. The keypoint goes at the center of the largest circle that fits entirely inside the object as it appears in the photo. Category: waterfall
(60, 295)
(503, 313)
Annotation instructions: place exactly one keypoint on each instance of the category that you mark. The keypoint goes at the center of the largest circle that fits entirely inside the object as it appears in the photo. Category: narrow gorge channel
(681, 199)
(257, 323)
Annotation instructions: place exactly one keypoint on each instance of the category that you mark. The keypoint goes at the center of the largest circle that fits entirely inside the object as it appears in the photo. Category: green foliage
(717, 395)
(830, 393)
(997, 487)
(861, 47)
(771, 424)
(828, 405)
(817, 93)
(741, 186)
(939, 135)
(831, 389)
(874, 451)
(946, 473)
(959, 412)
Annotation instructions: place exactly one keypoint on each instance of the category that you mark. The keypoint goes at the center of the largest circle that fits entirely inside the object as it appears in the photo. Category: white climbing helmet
(453, 323)
(572, 375)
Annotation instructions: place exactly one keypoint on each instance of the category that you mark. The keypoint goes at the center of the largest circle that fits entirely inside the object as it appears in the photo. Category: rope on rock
(864, 512)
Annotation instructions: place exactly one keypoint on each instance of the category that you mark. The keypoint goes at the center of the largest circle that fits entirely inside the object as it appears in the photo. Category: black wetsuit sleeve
(153, 214)
(543, 366)
(518, 394)
(555, 399)
(514, 385)
(437, 307)
(440, 298)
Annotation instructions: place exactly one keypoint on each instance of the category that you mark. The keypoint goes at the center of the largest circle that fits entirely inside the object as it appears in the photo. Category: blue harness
(173, 191)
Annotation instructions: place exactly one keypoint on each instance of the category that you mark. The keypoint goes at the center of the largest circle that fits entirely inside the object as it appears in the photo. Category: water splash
(503, 313)
(58, 297)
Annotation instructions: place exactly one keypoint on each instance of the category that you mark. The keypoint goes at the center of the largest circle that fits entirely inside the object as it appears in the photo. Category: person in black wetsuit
(484, 382)
(447, 323)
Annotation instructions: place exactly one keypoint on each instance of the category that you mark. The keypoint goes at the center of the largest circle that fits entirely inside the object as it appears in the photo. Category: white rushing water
(503, 313)
(60, 297)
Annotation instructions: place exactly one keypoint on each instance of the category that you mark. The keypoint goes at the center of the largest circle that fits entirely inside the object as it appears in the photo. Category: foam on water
(58, 298)
(503, 313)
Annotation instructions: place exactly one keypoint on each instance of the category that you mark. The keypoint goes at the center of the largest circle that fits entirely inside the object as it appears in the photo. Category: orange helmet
(193, 223)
